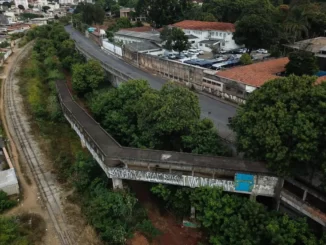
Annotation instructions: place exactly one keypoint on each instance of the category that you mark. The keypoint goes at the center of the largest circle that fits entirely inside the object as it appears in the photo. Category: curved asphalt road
(217, 111)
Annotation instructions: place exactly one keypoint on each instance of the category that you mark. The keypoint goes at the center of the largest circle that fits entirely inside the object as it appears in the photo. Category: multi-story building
(206, 34)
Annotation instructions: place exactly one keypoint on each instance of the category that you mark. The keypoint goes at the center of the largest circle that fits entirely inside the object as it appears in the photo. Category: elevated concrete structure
(185, 169)
(162, 166)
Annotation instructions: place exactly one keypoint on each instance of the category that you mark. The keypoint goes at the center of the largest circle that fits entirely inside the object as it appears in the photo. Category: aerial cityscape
(165, 122)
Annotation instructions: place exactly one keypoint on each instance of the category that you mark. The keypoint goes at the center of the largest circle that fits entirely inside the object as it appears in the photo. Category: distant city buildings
(21, 2)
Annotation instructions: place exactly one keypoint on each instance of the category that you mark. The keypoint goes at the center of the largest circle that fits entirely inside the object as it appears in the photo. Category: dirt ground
(173, 233)
(30, 201)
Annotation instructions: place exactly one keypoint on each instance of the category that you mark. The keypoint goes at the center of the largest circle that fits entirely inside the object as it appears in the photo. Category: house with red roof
(205, 34)
(236, 83)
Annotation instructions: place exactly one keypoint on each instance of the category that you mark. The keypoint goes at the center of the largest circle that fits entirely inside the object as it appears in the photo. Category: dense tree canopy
(256, 31)
(169, 119)
(302, 63)
(90, 13)
(282, 123)
(86, 77)
(163, 12)
(231, 219)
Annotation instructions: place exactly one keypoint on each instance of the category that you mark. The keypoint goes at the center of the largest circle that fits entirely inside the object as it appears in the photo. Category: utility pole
(137, 55)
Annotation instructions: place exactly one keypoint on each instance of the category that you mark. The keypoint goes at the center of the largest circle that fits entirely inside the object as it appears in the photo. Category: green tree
(115, 10)
(116, 109)
(163, 12)
(85, 170)
(164, 117)
(174, 39)
(86, 77)
(245, 59)
(45, 9)
(203, 138)
(21, 7)
(262, 27)
(209, 17)
(228, 11)
(111, 213)
(121, 23)
(5, 202)
(280, 124)
(302, 63)
(90, 13)
(297, 24)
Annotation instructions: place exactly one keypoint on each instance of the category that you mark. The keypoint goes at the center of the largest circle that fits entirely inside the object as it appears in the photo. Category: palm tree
(297, 24)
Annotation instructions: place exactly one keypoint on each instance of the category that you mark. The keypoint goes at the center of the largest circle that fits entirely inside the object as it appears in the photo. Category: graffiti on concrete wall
(167, 178)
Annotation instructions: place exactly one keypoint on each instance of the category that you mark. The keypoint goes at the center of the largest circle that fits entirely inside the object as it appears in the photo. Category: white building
(67, 2)
(204, 34)
(21, 2)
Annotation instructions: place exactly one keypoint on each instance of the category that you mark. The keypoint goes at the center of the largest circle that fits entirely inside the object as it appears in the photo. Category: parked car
(262, 51)
(172, 57)
(222, 51)
(181, 56)
(193, 51)
(243, 50)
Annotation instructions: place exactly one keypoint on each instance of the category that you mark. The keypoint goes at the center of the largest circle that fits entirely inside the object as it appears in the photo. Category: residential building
(17, 28)
(315, 45)
(21, 2)
(126, 12)
(67, 2)
(138, 34)
(3, 20)
(11, 16)
(41, 21)
(219, 34)
(236, 83)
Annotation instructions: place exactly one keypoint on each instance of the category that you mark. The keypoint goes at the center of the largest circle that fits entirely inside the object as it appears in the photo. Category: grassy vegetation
(114, 215)
(25, 229)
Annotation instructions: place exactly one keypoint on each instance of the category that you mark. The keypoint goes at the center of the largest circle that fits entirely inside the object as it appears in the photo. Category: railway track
(31, 152)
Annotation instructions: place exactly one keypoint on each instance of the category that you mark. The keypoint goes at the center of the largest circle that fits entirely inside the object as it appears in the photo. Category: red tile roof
(256, 74)
(205, 25)
(320, 80)
(139, 29)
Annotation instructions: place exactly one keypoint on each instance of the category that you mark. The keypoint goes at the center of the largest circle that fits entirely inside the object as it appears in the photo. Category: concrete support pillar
(117, 183)
(82, 143)
(253, 197)
(304, 195)
(192, 212)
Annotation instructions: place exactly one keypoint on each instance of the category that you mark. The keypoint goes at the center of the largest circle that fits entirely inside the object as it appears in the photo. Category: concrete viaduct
(184, 169)
(230, 174)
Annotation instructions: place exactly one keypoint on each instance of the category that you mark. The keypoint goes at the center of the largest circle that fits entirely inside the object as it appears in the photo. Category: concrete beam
(302, 207)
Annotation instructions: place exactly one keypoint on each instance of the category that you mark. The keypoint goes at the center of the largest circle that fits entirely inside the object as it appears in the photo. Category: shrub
(246, 59)
(5, 203)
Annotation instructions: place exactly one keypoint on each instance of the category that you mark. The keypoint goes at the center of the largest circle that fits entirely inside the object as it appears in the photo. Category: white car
(243, 50)
(193, 51)
(262, 51)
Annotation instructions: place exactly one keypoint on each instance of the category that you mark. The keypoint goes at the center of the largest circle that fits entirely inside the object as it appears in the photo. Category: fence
(112, 48)
(179, 72)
